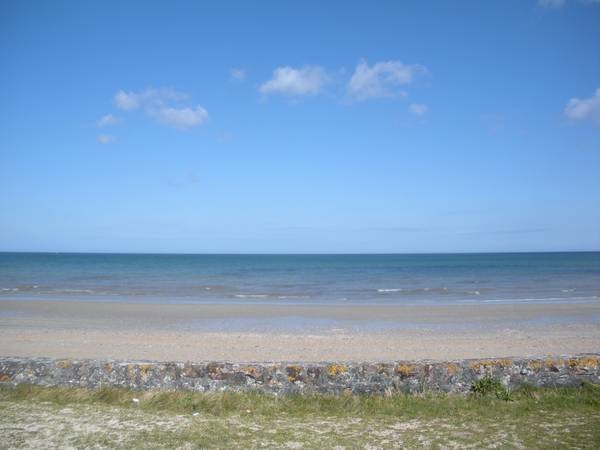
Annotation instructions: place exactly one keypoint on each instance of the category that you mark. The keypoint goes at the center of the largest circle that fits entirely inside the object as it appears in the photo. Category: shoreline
(258, 333)
(175, 311)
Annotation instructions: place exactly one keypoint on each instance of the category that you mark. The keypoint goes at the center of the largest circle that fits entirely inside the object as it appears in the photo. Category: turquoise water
(304, 279)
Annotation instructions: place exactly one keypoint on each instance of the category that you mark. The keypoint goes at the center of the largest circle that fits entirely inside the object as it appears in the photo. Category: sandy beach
(255, 332)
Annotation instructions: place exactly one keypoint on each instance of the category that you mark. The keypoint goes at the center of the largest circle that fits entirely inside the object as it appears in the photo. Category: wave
(73, 291)
(592, 298)
(413, 291)
(273, 296)
(26, 287)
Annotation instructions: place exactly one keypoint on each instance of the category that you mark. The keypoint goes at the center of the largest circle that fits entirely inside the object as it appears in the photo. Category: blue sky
(409, 126)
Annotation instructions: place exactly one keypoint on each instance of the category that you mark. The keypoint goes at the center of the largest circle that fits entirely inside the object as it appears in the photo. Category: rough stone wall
(358, 378)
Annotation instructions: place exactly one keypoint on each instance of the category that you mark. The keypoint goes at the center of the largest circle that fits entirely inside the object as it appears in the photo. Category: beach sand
(259, 333)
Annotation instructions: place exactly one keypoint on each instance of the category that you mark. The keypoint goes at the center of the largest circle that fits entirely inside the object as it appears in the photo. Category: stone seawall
(358, 378)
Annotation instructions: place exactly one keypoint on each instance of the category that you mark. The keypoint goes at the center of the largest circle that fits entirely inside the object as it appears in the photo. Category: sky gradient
(283, 127)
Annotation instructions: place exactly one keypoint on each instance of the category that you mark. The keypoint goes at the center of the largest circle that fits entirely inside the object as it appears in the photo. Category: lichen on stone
(251, 372)
(452, 369)
(64, 364)
(535, 365)
(336, 369)
(131, 372)
(405, 370)
(144, 369)
(383, 369)
(583, 363)
(294, 372)
(553, 364)
(489, 364)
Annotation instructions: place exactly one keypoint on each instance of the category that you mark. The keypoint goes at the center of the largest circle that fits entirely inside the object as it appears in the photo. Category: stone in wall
(330, 378)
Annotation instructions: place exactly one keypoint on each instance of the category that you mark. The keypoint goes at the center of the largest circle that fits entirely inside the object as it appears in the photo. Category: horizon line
(292, 253)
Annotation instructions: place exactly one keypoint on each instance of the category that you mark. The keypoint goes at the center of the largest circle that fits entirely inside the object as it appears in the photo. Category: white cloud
(382, 79)
(182, 118)
(308, 80)
(107, 120)
(163, 105)
(584, 109)
(238, 74)
(127, 100)
(418, 109)
(105, 139)
(148, 98)
(551, 3)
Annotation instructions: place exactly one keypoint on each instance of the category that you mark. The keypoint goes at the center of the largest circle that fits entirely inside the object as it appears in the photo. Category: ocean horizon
(369, 279)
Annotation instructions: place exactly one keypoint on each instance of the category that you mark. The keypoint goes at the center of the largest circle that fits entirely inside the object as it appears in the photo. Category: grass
(492, 386)
(526, 417)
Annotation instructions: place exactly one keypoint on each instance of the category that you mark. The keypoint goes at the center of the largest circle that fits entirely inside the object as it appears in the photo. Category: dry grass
(37, 417)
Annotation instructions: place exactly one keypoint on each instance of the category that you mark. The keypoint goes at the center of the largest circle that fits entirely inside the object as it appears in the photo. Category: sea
(320, 279)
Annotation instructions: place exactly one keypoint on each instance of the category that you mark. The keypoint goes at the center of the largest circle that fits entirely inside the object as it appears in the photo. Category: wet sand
(259, 333)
